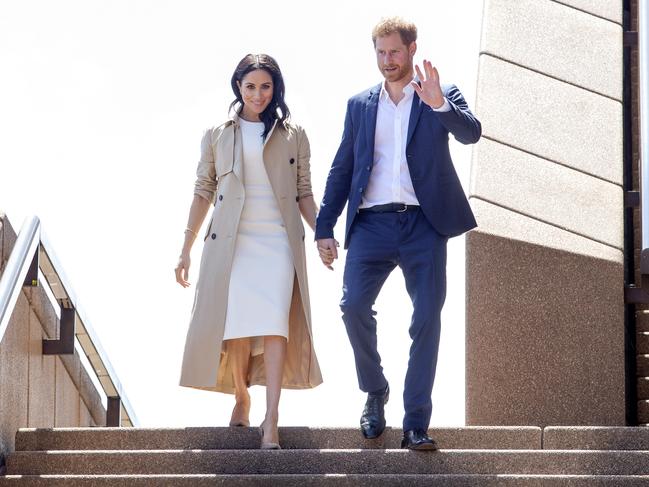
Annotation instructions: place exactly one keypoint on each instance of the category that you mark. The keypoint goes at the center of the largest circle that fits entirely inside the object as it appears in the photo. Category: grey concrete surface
(353, 480)
(549, 118)
(642, 342)
(549, 192)
(67, 398)
(595, 438)
(557, 40)
(531, 355)
(331, 462)
(14, 374)
(608, 9)
(527, 438)
(42, 382)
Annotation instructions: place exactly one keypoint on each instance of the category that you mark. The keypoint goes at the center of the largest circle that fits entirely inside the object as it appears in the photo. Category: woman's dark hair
(276, 109)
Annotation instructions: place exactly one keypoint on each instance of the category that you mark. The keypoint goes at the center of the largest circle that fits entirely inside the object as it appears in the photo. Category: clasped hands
(328, 250)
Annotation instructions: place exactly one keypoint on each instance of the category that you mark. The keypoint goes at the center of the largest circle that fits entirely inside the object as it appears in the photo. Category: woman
(251, 319)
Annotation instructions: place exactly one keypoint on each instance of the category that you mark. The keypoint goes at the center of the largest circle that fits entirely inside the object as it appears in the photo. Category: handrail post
(114, 411)
(64, 345)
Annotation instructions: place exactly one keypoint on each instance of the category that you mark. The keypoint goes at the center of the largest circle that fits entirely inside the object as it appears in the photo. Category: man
(404, 200)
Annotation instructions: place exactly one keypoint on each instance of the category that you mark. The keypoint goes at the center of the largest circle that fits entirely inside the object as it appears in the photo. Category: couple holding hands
(251, 320)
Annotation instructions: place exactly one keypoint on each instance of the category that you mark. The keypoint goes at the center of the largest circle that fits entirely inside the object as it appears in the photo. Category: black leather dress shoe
(373, 417)
(417, 440)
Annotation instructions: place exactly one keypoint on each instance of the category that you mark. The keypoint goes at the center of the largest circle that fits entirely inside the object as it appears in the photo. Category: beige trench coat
(220, 180)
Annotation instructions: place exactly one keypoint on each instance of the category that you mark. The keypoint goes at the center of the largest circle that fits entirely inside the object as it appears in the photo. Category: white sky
(102, 107)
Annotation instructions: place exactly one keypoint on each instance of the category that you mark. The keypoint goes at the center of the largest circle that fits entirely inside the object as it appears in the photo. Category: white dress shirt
(390, 177)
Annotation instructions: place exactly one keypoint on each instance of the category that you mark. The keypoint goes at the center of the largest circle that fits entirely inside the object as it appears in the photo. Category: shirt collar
(408, 90)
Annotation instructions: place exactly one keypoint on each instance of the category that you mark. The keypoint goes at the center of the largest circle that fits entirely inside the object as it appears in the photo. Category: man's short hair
(386, 26)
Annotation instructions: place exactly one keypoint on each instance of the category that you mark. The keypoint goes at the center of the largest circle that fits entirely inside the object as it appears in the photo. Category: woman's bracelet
(192, 231)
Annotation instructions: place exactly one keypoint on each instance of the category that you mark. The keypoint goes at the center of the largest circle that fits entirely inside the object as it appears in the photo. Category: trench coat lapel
(237, 151)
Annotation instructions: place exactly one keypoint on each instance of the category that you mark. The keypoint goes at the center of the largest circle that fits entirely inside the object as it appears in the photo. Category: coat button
(292, 161)
(220, 197)
(214, 236)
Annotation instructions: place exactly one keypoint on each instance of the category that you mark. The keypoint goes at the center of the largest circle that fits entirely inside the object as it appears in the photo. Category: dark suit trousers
(378, 243)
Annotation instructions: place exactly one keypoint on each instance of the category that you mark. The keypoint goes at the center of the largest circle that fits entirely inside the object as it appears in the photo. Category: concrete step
(643, 387)
(643, 411)
(509, 438)
(642, 320)
(595, 438)
(642, 342)
(491, 462)
(326, 480)
(642, 365)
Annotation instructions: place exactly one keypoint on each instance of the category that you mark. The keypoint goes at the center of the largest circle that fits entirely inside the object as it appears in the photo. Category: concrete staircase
(473, 456)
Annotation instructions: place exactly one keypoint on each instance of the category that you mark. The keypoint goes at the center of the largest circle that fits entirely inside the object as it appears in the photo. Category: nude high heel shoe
(236, 419)
(269, 445)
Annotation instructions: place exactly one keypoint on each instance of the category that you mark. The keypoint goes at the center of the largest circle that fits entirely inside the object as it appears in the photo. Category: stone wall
(545, 268)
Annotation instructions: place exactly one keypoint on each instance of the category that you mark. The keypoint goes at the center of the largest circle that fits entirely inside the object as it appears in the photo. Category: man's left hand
(428, 88)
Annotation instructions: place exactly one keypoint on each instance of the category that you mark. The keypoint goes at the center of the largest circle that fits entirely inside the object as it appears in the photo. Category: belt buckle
(405, 207)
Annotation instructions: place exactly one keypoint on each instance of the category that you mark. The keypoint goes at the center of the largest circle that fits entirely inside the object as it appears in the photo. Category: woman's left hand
(182, 270)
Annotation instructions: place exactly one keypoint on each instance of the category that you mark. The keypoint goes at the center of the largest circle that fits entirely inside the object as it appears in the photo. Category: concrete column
(545, 305)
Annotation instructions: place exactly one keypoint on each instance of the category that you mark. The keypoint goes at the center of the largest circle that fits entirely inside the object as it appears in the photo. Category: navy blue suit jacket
(434, 179)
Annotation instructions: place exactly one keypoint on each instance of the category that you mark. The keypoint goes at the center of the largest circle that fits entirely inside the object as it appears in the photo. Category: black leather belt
(389, 207)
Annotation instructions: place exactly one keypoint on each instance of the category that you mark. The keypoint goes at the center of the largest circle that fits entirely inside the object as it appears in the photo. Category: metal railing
(643, 64)
(32, 252)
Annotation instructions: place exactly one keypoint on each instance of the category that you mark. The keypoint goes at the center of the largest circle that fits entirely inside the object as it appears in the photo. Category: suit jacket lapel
(415, 112)
(371, 109)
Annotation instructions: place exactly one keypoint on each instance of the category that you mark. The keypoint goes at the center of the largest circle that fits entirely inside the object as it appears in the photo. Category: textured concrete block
(548, 192)
(67, 398)
(642, 365)
(595, 438)
(328, 480)
(44, 309)
(85, 418)
(642, 342)
(14, 364)
(643, 387)
(217, 438)
(550, 119)
(500, 222)
(642, 320)
(91, 398)
(8, 239)
(643, 411)
(535, 293)
(548, 462)
(557, 40)
(608, 9)
(42, 397)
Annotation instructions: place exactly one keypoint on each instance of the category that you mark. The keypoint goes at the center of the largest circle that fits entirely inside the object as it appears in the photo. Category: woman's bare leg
(274, 356)
(239, 352)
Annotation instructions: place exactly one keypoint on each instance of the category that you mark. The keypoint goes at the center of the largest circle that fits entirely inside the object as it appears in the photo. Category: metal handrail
(32, 239)
(643, 62)
(13, 277)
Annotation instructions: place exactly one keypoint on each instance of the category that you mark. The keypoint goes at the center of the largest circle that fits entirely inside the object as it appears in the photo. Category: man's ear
(412, 48)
